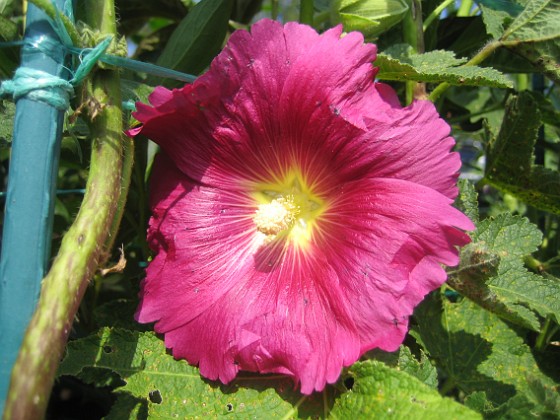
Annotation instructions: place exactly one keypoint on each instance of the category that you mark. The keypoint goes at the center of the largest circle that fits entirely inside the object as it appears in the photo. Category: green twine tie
(40, 86)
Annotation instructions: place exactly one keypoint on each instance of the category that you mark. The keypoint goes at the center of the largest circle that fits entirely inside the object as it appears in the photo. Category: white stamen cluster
(276, 216)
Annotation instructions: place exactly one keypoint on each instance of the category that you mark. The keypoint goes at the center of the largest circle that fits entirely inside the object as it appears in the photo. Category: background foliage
(485, 345)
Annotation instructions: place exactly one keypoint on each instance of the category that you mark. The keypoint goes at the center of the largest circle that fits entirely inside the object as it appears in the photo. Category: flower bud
(370, 17)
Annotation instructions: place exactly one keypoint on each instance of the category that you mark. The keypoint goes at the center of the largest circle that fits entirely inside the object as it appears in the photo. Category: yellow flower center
(288, 207)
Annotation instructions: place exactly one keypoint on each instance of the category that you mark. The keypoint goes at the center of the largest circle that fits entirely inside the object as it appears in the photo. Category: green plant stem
(465, 8)
(533, 264)
(413, 33)
(48, 7)
(82, 249)
(548, 330)
(477, 59)
(409, 36)
(275, 8)
(522, 81)
(475, 114)
(306, 12)
(436, 12)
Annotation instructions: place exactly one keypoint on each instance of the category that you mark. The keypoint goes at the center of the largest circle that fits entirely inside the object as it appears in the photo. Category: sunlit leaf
(467, 200)
(477, 350)
(534, 34)
(495, 21)
(172, 388)
(399, 63)
(405, 361)
(492, 273)
(381, 392)
(7, 113)
(536, 23)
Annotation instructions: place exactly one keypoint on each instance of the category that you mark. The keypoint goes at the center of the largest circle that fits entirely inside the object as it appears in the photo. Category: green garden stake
(29, 203)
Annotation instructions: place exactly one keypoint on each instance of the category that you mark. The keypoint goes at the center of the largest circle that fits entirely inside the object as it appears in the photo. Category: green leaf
(403, 360)
(542, 55)
(4, 4)
(399, 63)
(173, 389)
(467, 200)
(476, 350)
(511, 237)
(510, 157)
(9, 57)
(381, 392)
(535, 35)
(549, 113)
(166, 388)
(134, 91)
(536, 23)
(540, 401)
(495, 21)
(128, 407)
(7, 113)
(198, 38)
(478, 402)
(492, 273)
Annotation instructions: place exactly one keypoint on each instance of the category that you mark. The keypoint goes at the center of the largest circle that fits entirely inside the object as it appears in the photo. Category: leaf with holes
(381, 392)
(163, 387)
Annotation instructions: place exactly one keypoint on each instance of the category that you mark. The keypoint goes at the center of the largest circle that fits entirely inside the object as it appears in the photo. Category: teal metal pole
(29, 202)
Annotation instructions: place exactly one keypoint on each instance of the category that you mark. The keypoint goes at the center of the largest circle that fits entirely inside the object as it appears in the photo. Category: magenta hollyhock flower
(299, 212)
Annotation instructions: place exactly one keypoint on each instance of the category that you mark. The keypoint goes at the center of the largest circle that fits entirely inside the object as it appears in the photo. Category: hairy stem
(413, 33)
(51, 11)
(82, 249)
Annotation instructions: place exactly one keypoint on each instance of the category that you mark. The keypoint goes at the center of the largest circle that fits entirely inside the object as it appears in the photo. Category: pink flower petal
(214, 286)
(287, 110)
(413, 143)
(386, 239)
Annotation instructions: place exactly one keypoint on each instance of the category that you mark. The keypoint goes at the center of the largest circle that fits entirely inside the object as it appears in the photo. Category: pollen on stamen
(278, 215)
